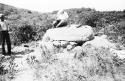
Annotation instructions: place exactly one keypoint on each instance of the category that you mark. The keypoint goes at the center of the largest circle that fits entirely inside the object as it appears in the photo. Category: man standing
(61, 19)
(5, 36)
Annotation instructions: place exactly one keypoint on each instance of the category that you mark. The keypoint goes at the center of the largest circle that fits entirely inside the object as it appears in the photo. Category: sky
(51, 5)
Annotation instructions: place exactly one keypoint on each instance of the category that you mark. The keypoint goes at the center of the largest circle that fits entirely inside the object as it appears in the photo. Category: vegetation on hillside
(27, 25)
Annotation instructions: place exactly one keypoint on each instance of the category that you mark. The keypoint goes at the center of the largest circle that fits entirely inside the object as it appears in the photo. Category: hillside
(21, 20)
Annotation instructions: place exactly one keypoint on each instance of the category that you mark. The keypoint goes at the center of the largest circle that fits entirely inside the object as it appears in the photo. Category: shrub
(25, 34)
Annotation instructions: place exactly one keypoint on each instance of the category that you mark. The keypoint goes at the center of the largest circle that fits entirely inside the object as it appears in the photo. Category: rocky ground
(72, 57)
(16, 66)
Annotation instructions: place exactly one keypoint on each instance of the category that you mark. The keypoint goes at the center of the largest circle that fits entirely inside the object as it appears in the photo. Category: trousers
(64, 23)
(6, 38)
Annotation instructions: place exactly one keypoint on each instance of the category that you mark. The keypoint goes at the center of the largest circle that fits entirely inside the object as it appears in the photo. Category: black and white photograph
(62, 40)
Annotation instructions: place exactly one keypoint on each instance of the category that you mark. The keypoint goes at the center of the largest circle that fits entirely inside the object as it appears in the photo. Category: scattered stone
(73, 43)
(119, 53)
(69, 47)
(101, 41)
(56, 43)
(64, 43)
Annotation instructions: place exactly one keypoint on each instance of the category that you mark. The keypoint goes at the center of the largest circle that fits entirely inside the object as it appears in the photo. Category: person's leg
(3, 43)
(0, 37)
(56, 23)
(8, 43)
(62, 24)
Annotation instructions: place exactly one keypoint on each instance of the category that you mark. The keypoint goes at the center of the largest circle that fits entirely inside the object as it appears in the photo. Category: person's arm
(0, 26)
(6, 24)
(8, 28)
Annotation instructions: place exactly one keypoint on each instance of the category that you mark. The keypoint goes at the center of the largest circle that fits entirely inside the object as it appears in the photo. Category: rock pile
(67, 37)
(78, 54)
